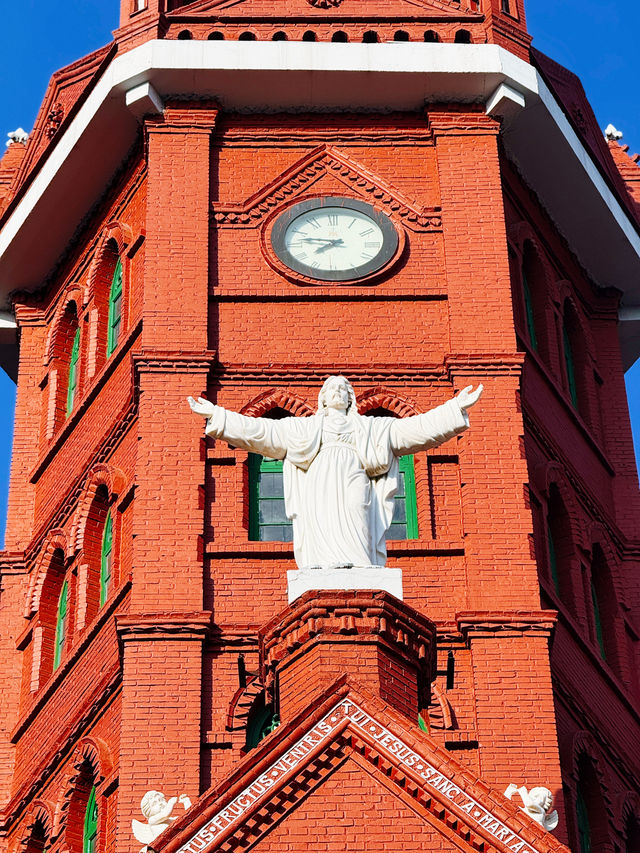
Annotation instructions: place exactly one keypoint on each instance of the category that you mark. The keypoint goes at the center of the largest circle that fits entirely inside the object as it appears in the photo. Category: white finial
(537, 804)
(17, 135)
(612, 134)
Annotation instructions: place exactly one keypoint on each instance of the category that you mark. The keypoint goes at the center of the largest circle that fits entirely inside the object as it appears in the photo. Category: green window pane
(115, 309)
(584, 831)
(597, 621)
(404, 523)
(90, 832)
(570, 367)
(61, 626)
(106, 559)
(72, 382)
(268, 521)
(553, 559)
(528, 307)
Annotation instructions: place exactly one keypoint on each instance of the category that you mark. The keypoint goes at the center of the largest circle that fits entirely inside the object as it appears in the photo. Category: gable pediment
(327, 162)
(356, 735)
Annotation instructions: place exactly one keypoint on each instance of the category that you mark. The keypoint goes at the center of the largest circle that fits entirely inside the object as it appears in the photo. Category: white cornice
(279, 76)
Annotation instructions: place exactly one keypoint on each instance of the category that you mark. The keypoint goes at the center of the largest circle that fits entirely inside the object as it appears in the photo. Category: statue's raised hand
(202, 407)
(468, 397)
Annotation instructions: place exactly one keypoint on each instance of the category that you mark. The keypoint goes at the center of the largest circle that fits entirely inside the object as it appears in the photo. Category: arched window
(569, 365)
(185, 35)
(401, 35)
(590, 812)
(106, 559)
(261, 722)
(463, 37)
(340, 36)
(216, 36)
(605, 608)
(37, 842)
(90, 829)
(431, 36)
(115, 309)
(279, 36)
(246, 37)
(72, 376)
(560, 551)
(575, 359)
(309, 36)
(62, 619)
(370, 37)
(533, 315)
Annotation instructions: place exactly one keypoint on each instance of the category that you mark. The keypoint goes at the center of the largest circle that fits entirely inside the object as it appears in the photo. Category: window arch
(604, 608)
(98, 551)
(279, 36)
(463, 37)
(370, 37)
(533, 292)
(82, 821)
(107, 295)
(54, 619)
(576, 359)
(262, 721)
(560, 554)
(64, 357)
(340, 36)
(401, 35)
(38, 837)
(115, 309)
(590, 814)
(247, 36)
(431, 36)
(309, 35)
(216, 35)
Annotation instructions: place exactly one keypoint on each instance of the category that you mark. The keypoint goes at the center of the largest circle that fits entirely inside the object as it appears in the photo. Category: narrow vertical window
(106, 559)
(267, 518)
(72, 383)
(61, 626)
(570, 366)
(528, 307)
(597, 621)
(582, 815)
(404, 524)
(90, 831)
(553, 558)
(115, 309)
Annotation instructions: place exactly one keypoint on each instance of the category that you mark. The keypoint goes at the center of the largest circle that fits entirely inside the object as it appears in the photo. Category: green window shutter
(597, 621)
(404, 524)
(570, 366)
(528, 307)
(553, 558)
(267, 518)
(584, 831)
(72, 382)
(90, 831)
(106, 559)
(61, 626)
(115, 309)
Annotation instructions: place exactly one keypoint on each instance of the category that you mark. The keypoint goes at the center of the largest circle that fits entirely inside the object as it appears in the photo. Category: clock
(334, 238)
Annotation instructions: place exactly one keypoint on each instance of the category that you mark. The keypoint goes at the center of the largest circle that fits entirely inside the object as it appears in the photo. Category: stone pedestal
(300, 581)
(369, 635)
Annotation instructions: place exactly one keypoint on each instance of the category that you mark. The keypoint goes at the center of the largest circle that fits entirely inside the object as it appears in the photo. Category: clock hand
(330, 246)
(317, 240)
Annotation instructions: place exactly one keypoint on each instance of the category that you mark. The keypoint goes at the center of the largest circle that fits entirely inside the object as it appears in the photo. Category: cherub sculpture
(158, 812)
(537, 803)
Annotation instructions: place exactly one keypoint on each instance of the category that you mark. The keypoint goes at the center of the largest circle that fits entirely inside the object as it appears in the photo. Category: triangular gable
(323, 9)
(302, 175)
(291, 762)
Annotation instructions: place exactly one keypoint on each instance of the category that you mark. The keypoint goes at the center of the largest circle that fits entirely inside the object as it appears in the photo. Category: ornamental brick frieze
(327, 160)
(174, 626)
(487, 623)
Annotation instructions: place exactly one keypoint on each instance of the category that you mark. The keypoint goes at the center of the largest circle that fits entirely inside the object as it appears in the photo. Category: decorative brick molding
(393, 643)
(169, 626)
(489, 624)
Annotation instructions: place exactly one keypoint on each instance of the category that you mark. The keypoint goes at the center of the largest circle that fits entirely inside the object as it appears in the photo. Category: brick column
(385, 645)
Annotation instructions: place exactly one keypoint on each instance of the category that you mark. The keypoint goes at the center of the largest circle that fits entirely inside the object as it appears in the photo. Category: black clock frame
(390, 239)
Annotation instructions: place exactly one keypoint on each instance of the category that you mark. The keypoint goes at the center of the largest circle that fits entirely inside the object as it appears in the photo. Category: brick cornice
(163, 626)
(488, 623)
(157, 361)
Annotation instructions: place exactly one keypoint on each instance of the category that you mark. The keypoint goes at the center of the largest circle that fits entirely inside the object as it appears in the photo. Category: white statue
(17, 135)
(340, 468)
(537, 803)
(158, 812)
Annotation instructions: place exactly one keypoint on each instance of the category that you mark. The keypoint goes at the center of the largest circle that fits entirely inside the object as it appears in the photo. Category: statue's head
(152, 803)
(337, 393)
(541, 797)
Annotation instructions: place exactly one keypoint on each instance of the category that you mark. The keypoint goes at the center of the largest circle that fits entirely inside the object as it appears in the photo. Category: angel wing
(551, 821)
(144, 833)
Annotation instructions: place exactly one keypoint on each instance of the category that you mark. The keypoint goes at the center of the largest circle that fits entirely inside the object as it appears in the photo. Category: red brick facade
(516, 645)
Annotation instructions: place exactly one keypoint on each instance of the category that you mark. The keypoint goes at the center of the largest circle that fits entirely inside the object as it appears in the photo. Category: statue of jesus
(340, 469)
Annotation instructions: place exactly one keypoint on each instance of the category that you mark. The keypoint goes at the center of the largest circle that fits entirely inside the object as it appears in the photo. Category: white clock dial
(334, 239)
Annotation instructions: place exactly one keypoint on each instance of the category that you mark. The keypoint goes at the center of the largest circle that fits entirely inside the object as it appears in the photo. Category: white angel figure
(158, 812)
(537, 803)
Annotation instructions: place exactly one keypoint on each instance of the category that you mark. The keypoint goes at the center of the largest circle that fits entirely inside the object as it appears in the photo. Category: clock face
(334, 239)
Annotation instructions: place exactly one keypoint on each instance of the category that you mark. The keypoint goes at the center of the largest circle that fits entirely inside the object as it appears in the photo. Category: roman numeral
(351, 223)
(366, 256)
(366, 232)
(301, 256)
(372, 245)
(313, 222)
(333, 218)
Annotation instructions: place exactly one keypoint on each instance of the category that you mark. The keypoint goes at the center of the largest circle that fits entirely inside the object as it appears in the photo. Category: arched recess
(50, 604)
(109, 261)
(532, 293)
(561, 540)
(91, 765)
(38, 827)
(383, 398)
(63, 361)
(593, 812)
(241, 704)
(578, 350)
(95, 519)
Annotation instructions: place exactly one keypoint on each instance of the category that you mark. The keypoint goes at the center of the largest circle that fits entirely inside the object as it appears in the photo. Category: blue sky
(596, 40)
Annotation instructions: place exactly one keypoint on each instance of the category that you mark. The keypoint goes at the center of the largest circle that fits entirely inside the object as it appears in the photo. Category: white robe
(339, 483)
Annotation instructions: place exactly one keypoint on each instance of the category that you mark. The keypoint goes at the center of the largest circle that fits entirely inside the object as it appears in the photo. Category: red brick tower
(147, 642)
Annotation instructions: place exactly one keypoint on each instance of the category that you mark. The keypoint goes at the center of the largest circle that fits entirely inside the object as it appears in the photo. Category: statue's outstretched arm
(420, 432)
(257, 435)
